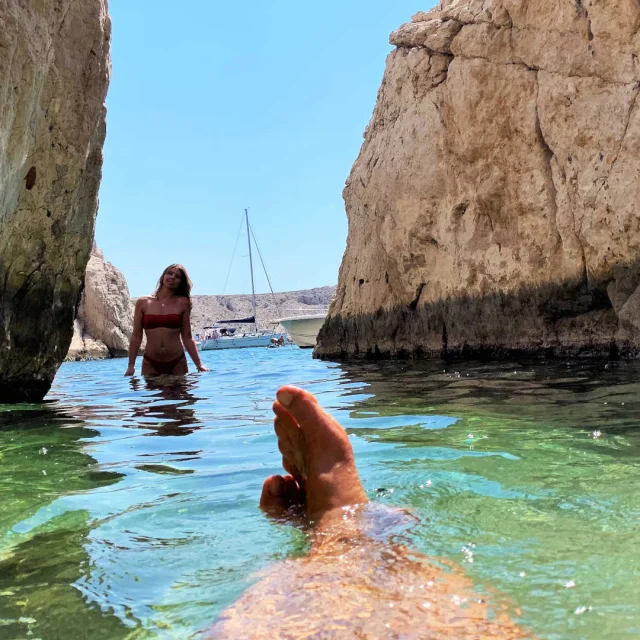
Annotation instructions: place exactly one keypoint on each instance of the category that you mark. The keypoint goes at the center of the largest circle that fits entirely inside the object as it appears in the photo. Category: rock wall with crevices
(54, 74)
(493, 209)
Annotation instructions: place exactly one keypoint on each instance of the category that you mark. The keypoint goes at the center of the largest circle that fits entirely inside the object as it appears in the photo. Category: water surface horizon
(129, 507)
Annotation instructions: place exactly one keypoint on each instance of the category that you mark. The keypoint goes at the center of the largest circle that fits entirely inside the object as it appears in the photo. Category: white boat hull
(303, 330)
(236, 342)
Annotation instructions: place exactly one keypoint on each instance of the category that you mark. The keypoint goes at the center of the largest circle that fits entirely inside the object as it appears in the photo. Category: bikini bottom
(164, 366)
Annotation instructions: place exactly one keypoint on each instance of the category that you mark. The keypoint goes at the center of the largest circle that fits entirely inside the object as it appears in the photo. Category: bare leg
(355, 582)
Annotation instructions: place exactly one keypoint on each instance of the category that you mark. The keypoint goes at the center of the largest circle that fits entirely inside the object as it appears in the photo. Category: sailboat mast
(253, 289)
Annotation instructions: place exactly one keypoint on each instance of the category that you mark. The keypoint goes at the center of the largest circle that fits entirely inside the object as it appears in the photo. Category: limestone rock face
(494, 206)
(54, 73)
(105, 315)
(84, 347)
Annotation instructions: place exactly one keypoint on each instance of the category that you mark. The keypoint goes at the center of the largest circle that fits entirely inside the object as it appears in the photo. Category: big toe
(311, 417)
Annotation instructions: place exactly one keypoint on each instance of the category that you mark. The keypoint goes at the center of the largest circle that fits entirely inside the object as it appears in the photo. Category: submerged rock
(54, 73)
(105, 315)
(493, 208)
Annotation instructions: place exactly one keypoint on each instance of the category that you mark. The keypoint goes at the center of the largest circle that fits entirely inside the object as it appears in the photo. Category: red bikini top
(166, 321)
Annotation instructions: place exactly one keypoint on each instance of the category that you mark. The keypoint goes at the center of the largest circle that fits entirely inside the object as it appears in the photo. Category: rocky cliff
(494, 205)
(105, 316)
(54, 72)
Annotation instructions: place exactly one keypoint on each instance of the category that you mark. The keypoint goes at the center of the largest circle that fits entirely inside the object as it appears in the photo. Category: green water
(128, 509)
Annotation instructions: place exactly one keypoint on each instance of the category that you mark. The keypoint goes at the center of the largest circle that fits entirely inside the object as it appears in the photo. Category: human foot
(317, 454)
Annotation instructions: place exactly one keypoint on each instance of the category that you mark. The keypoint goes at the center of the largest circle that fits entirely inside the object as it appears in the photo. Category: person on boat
(356, 581)
(165, 317)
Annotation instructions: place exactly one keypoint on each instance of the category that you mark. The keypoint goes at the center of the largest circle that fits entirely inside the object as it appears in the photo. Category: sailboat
(223, 337)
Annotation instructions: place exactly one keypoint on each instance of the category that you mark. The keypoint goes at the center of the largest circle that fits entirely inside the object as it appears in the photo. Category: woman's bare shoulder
(143, 301)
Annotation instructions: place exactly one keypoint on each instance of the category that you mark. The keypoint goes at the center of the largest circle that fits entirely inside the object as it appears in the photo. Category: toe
(300, 404)
(272, 493)
(279, 494)
(315, 423)
(273, 498)
(291, 441)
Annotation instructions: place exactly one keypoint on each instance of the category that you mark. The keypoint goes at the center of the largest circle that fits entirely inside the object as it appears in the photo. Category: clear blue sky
(217, 106)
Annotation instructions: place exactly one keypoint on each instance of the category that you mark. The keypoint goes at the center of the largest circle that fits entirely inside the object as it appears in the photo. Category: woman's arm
(188, 341)
(136, 338)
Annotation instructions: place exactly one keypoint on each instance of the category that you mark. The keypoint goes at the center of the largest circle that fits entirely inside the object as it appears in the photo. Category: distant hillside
(208, 309)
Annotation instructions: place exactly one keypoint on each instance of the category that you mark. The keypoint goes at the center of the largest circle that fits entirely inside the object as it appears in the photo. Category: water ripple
(131, 505)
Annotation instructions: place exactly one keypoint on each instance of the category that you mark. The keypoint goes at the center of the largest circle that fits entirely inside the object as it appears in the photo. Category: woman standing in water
(166, 318)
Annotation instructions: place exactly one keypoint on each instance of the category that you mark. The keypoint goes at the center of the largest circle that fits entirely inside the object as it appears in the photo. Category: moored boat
(236, 341)
(225, 337)
(231, 338)
(304, 329)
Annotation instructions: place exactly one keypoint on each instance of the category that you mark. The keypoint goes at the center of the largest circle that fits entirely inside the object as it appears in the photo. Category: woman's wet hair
(184, 288)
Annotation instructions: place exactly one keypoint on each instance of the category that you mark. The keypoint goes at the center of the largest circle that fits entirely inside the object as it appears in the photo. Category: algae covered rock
(493, 208)
(54, 73)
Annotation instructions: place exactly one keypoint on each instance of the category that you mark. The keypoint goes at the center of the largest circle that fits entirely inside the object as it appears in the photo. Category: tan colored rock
(84, 347)
(494, 205)
(105, 315)
(435, 34)
(629, 318)
(54, 73)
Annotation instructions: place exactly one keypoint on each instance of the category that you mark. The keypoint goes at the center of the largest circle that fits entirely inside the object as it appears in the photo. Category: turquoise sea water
(128, 508)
